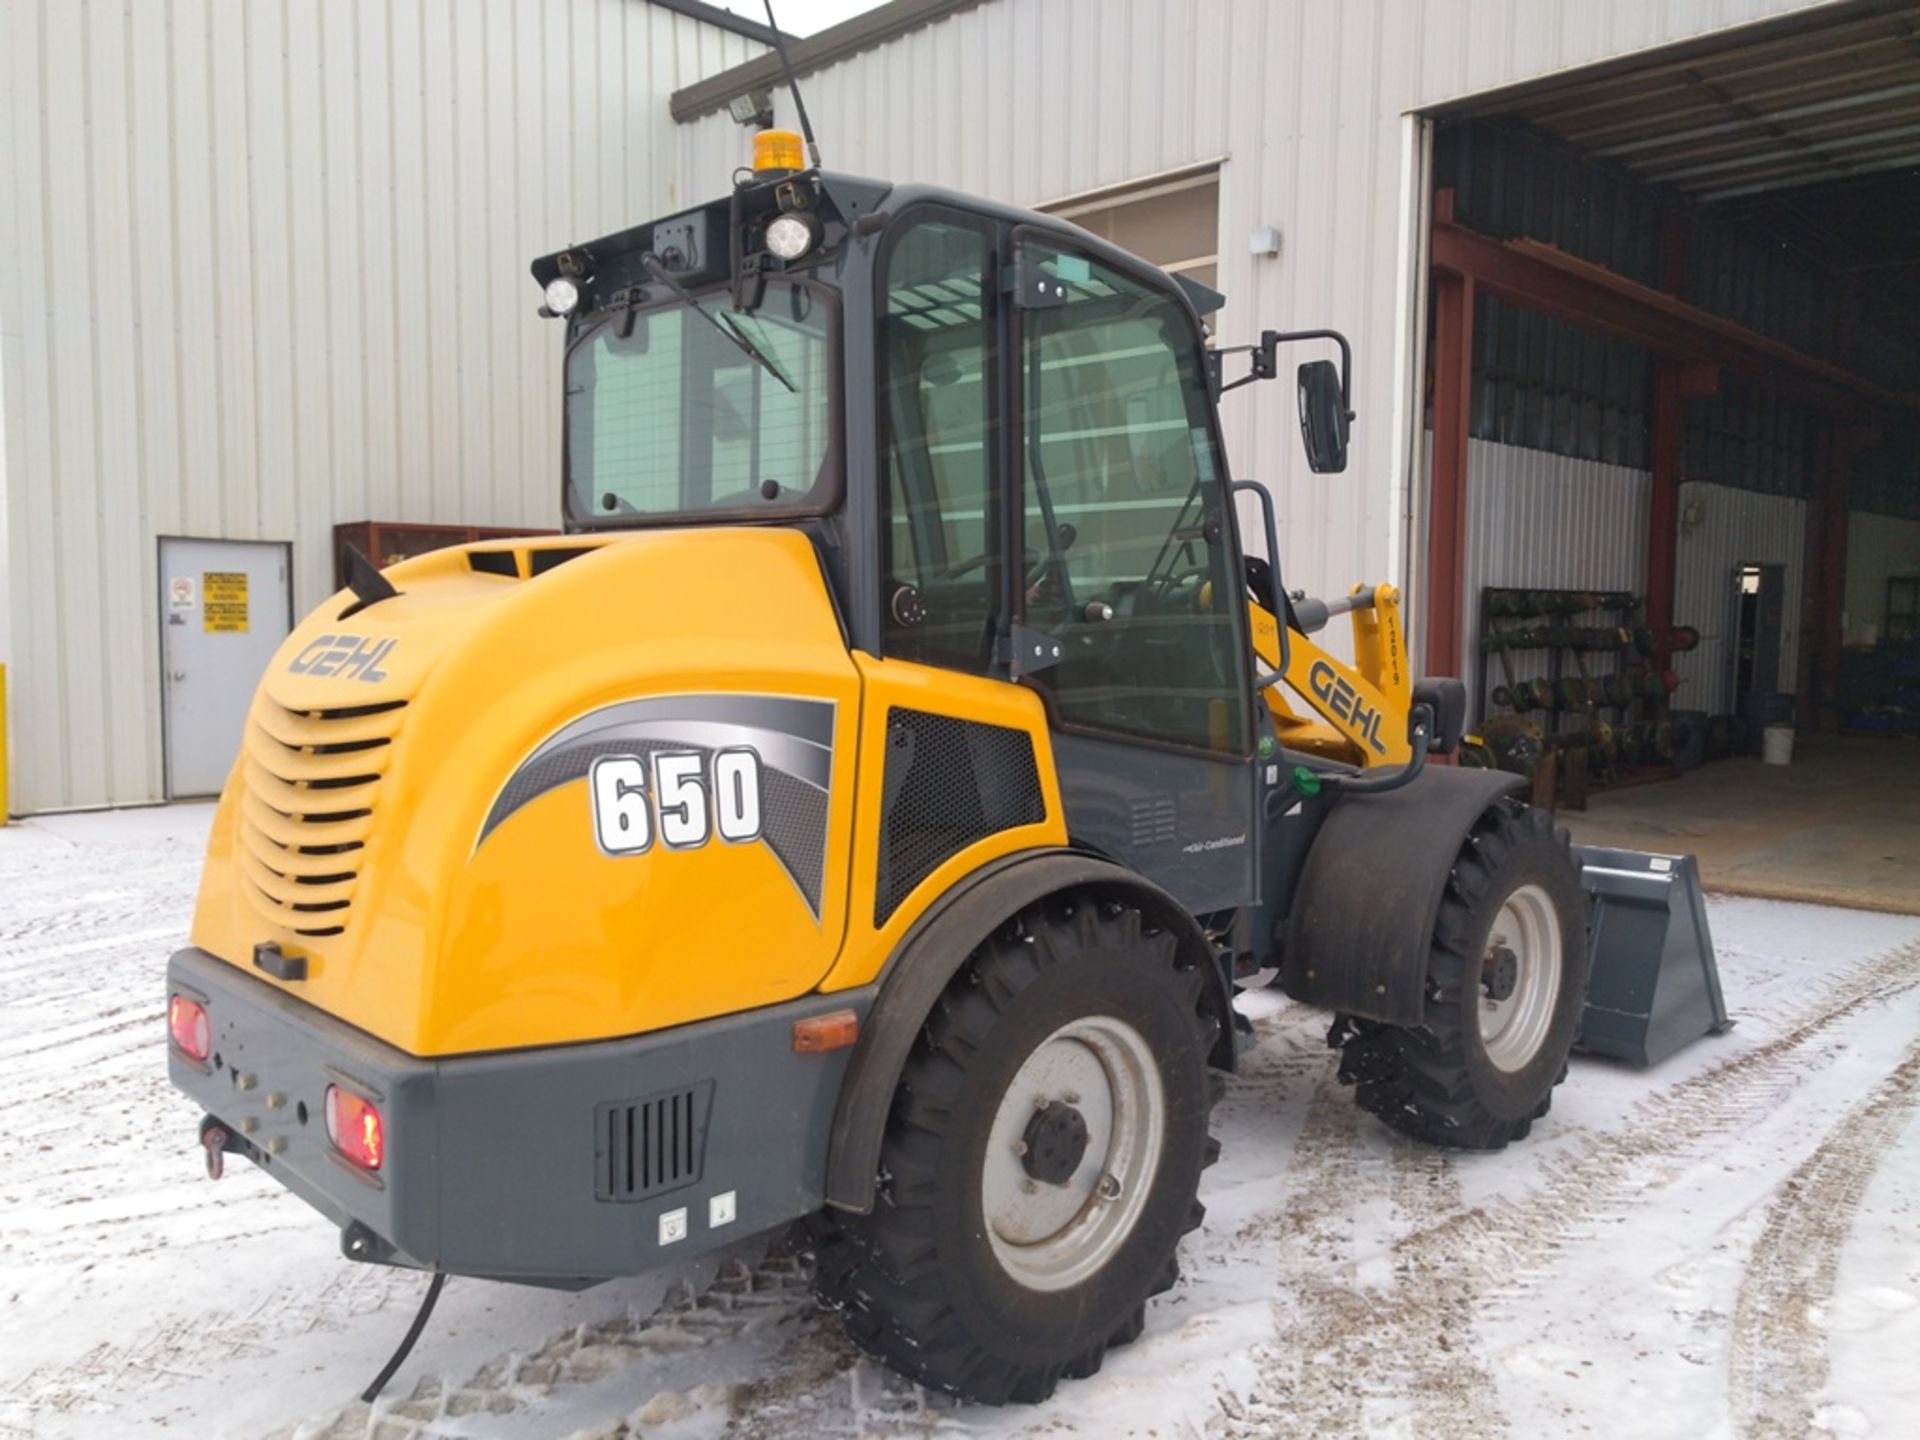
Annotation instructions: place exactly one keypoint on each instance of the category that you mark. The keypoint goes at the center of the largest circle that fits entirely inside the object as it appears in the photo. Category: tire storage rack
(1569, 695)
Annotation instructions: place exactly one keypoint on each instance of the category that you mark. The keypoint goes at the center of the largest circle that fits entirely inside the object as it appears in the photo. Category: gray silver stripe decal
(793, 738)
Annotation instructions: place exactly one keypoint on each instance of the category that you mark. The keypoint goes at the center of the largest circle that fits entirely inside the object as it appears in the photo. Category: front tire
(1506, 982)
(1041, 1162)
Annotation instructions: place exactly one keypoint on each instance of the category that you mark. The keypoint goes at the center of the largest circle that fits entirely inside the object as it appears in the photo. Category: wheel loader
(860, 817)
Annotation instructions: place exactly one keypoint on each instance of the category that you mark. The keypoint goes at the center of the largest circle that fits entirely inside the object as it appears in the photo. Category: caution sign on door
(223, 601)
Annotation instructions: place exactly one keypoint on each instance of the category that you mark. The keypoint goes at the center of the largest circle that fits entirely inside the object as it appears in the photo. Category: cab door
(956, 768)
(1129, 572)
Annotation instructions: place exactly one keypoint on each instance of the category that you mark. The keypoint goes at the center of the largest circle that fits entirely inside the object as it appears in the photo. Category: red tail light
(187, 1024)
(353, 1125)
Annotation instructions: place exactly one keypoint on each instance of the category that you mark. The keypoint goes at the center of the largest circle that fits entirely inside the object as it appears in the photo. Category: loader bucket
(1654, 986)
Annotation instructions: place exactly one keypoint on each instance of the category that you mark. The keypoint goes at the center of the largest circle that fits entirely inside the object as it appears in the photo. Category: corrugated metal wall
(1733, 527)
(1879, 547)
(1032, 100)
(1548, 521)
(263, 269)
(1545, 383)
(263, 264)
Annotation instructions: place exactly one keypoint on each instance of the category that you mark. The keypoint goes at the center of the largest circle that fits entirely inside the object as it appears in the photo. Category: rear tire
(1012, 1244)
(1506, 983)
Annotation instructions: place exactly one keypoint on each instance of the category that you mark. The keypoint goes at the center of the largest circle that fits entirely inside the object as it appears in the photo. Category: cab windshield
(675, 413)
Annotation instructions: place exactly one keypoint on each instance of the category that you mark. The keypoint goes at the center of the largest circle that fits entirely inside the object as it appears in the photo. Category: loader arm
(1363, 708)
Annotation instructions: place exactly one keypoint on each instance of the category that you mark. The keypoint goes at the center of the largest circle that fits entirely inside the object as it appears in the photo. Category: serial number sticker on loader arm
(683, 798)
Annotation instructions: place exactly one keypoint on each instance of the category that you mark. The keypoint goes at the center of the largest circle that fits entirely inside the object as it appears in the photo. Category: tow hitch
(219, 1142)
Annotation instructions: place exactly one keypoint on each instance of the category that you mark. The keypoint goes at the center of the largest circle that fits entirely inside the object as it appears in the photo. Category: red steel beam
(1674, 382)
(1663, 511)
(1827, 523)
(1812, 593)
(1543, 278)
(1447, 517)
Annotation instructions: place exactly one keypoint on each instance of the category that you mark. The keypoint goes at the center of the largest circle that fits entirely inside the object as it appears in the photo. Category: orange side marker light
(835, 1030)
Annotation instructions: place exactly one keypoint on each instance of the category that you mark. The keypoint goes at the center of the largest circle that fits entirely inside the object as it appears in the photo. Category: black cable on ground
(407, 1341)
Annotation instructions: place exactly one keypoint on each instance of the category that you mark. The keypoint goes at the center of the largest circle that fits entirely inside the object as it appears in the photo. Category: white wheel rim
(1512, 1030)
(1052, 1237)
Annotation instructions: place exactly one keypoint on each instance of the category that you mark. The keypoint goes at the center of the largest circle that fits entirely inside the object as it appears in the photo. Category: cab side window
(1128, 552)
(938, 440)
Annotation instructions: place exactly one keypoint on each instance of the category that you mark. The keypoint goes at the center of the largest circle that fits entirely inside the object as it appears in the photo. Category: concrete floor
(1839, 826)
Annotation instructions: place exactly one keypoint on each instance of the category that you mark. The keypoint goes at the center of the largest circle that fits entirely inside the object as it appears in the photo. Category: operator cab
(1000, 432)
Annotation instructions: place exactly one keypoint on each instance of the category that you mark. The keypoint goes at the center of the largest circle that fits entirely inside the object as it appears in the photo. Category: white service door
(223, 612)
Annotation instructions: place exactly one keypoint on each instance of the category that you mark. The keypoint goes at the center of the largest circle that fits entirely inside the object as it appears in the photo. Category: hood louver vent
(539, 561)
(494, 562)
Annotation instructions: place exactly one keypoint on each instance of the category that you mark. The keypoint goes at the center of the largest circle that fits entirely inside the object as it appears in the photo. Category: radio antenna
(793, 88)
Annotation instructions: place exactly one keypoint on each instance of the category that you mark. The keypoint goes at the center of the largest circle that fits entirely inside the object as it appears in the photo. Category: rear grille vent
(309, 780)
(648, 1147)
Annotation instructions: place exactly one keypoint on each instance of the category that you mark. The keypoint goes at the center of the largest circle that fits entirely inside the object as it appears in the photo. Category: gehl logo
(1332, 689)
(349, 657)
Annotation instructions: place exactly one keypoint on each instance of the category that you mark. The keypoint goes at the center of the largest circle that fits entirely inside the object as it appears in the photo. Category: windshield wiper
(733, 336)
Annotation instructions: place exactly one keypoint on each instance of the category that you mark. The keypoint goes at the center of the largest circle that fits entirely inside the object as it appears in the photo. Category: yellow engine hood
(413, 809)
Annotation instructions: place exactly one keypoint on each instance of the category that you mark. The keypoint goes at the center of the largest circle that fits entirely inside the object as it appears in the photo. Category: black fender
(1361, 923)
(935, 948)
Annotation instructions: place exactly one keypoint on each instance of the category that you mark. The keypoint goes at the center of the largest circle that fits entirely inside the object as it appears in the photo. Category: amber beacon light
(777, 150)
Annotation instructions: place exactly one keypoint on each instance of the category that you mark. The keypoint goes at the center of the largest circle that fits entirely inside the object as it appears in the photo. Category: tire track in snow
(1332, 1339)
(1453, 1391)
(1779, 1362)
(722, 1334)
(1313, 1369)
(1351, 1355)
(184, 1347)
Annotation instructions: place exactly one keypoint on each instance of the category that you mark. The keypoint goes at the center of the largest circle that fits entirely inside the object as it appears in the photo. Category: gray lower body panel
(558, 1165)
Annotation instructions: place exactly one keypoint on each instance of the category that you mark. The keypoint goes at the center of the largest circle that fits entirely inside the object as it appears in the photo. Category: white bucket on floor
(1776, 744)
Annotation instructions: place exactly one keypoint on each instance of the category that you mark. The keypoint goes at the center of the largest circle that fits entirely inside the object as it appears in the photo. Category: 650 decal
(683, 796)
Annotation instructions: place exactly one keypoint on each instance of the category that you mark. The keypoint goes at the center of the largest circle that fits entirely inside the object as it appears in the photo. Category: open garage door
(1674, 342)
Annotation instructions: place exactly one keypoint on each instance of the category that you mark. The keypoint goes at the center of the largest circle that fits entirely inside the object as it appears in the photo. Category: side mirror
(1323, 417)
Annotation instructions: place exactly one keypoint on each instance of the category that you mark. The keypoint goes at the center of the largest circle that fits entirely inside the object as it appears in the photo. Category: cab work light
(792, 235)
(188, 1026)
(353, 1125)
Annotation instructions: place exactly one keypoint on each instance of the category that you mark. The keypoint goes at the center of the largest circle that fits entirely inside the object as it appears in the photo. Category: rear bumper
(560, 1165)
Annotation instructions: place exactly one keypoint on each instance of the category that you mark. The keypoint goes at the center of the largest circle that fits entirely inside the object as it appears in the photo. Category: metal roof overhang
(1824, 94)
(863, 32)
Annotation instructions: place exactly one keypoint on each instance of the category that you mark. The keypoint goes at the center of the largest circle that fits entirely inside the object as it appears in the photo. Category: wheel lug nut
(1020, 1147)
(1108, 1188)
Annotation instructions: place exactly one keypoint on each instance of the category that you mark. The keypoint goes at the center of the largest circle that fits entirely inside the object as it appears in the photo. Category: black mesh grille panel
(647, 1147)
(948, 783)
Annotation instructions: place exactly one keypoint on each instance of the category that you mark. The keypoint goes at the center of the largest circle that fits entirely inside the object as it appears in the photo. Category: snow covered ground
(1726, 1246)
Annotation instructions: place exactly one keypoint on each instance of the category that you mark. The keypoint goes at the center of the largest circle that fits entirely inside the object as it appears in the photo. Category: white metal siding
(264, 264)
(262, 270)
(1028, 101)
(1552, 523)
(1736, 527)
